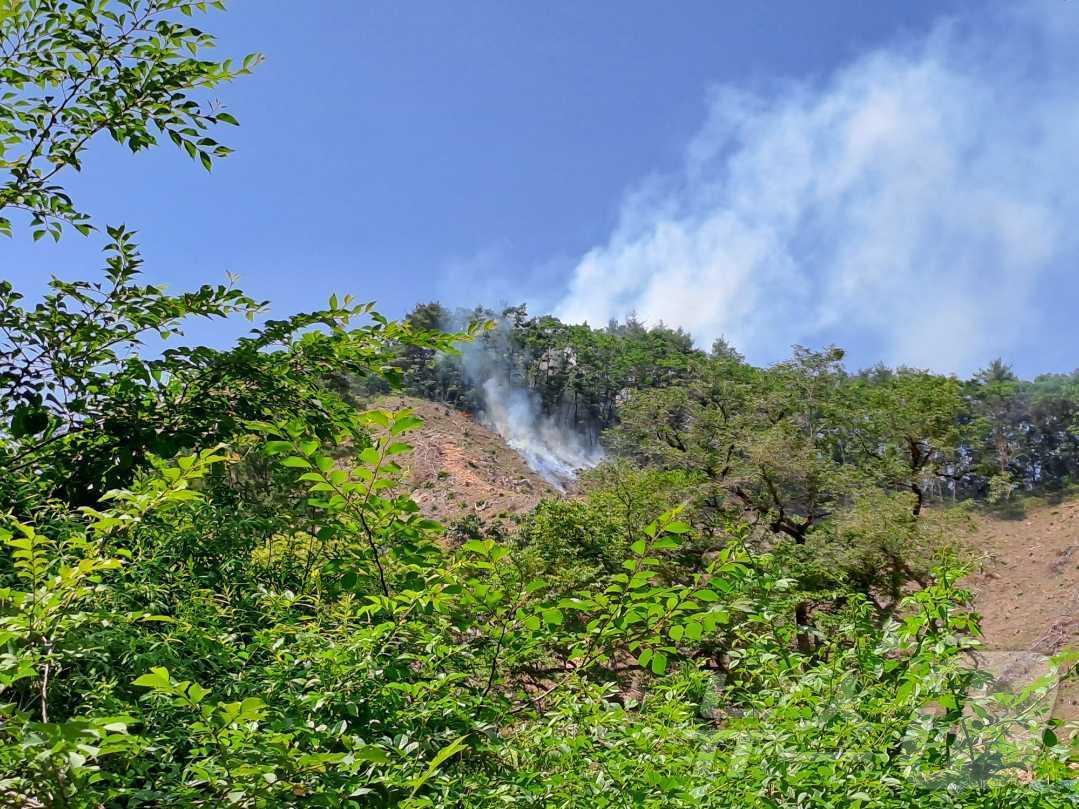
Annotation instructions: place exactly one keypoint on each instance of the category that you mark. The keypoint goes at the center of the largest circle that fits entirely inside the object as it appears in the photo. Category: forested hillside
(217, 587)
(984, 437)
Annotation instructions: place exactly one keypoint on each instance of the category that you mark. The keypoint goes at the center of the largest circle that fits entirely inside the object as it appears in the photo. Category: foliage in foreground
(157, 655)
(214, 592)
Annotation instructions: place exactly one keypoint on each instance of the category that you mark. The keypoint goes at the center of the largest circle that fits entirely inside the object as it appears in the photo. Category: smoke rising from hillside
(552, 449)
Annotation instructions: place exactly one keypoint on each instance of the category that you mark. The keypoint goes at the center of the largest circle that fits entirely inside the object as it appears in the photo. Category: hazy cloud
(494, 277)
(913, 203)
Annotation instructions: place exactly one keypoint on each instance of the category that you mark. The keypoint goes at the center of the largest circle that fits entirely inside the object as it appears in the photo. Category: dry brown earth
(1028, 589)
(459, 467)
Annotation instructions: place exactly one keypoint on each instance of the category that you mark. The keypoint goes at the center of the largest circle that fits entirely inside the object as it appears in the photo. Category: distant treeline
(981, 437)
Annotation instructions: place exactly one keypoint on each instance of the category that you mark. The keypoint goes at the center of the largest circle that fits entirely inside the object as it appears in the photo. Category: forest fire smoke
(547, 441)
(554, 452)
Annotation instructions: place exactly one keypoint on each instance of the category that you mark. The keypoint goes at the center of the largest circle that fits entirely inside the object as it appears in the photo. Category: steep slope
(461, 468)
(1028, 590)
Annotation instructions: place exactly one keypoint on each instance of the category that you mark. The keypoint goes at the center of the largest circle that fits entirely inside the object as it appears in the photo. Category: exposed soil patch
(1028, 589)
(459, 467)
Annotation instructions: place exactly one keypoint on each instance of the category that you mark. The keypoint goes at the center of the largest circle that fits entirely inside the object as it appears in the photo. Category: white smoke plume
(549, 449)
(552, 449)
(917, 205)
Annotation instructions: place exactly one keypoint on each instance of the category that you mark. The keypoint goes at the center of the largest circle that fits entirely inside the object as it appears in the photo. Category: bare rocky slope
(1027, 590)
(460, 468)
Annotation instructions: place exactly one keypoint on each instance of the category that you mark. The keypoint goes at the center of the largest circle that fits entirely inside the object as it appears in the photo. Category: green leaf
(379, 417)
(250, 709)
(372, 753)
(165, 619)
(157, 678)
(902, 694)
(405, 423)
(659, 663)
(28, 420)
(553, 617)
(446, 752)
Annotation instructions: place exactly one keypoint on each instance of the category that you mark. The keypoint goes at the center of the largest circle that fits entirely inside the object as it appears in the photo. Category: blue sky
(896, 178)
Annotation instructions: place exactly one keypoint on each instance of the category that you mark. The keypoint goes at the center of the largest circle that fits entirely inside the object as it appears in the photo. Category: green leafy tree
(135, 70)
(997, 403)
(83, 404)
(911, 432)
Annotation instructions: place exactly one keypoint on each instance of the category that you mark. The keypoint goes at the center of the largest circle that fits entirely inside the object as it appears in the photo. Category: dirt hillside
(460, 468)
(1028, 589)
